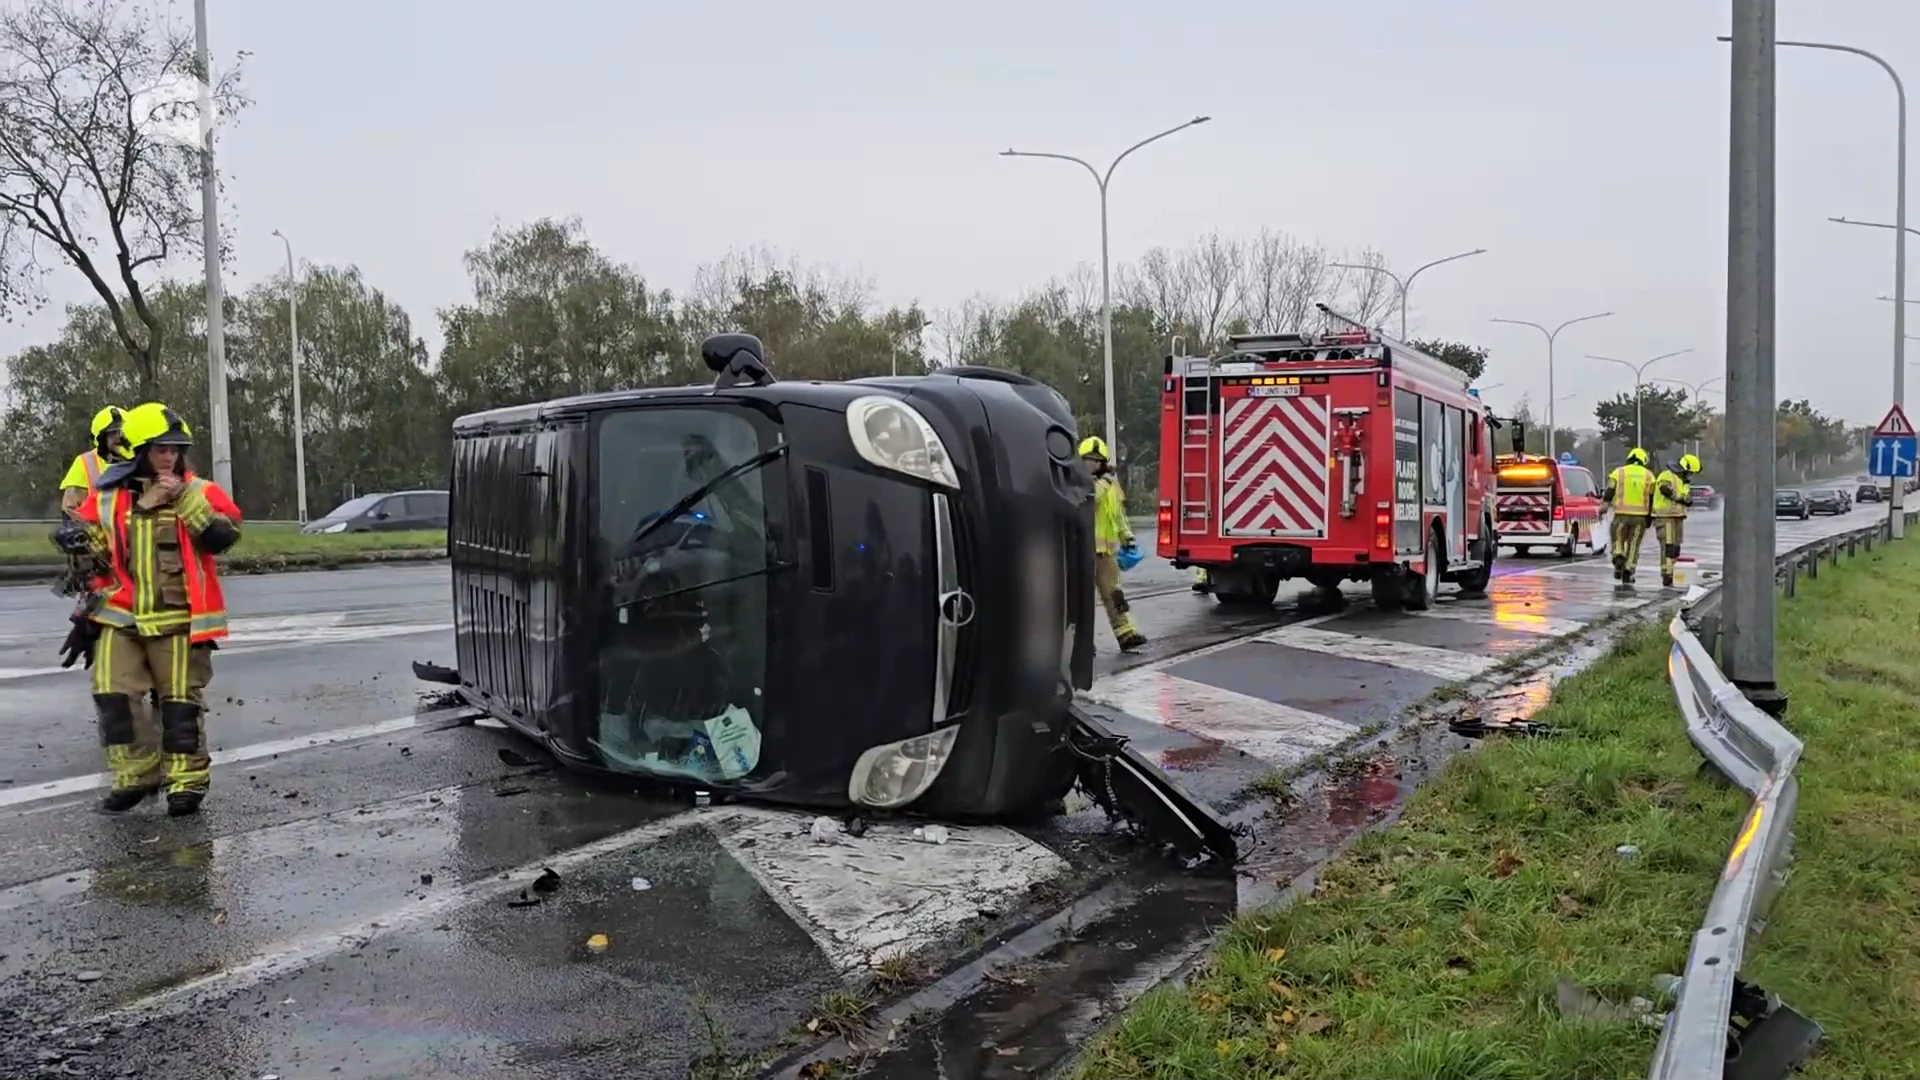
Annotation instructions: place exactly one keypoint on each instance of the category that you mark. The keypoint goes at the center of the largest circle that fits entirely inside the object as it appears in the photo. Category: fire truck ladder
(1196, 433)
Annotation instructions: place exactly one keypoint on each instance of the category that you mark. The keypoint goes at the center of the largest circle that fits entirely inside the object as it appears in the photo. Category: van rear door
(1525, 494)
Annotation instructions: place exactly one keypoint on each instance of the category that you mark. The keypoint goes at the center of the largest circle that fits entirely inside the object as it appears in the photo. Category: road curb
(18, 574)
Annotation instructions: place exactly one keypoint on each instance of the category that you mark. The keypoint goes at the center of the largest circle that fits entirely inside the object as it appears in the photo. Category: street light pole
(1896, 506)
(1406, 283)
(210, 241)
(1699, 394)
(1639, 395)
(1106, 273)
(1551, 335)
(1747, 622)
(293, 356)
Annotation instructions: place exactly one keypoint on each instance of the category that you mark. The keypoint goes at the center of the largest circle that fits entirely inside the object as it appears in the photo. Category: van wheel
(1475, 582)
(1573, 542)
(1422, 588)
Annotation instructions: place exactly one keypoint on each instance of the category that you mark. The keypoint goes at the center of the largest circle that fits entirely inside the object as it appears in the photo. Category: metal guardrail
(1721, 1026)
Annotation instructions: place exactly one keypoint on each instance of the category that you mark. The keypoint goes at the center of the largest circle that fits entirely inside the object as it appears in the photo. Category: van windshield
(352, 508)
(682, 660)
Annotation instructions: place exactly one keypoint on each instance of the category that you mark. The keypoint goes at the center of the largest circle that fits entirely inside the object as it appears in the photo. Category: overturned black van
(869, 594)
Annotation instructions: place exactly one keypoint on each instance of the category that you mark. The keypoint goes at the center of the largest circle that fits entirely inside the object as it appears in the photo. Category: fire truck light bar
(1524, 472)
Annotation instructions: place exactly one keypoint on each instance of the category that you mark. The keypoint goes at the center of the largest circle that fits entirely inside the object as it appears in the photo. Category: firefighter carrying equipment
(160, 612)
(1630, 493)
(1111, 533)
(1672, 495)
(1093, 446)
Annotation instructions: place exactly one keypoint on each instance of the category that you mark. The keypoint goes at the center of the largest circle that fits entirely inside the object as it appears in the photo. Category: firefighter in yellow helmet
(1630, 494)
(1672, 498)
(109, 446)
(1111, 532)
(160, 609)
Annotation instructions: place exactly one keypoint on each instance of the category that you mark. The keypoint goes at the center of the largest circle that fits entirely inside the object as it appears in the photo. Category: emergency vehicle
(1541, 502)
(1337, 456)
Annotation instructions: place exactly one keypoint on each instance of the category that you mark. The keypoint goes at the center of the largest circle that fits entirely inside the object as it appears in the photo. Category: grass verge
(1433, 948)
(27, 545)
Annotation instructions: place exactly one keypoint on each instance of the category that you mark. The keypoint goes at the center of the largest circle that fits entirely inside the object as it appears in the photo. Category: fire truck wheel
(1246, 588)
(1389, 588)
(1475, 582)
(1421, 589)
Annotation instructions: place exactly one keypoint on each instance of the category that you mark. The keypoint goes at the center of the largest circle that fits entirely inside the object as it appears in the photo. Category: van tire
(1573, 541)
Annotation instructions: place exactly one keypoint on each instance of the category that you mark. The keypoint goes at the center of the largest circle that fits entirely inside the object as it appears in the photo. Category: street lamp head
(1724, 37)
(1009, 152)
(1200, 120)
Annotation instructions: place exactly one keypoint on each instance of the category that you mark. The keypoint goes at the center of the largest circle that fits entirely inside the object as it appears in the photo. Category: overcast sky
(1584, 144)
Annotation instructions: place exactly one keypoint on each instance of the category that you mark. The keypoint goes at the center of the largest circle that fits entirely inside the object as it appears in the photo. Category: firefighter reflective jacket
(1110, 528)
(1671, 495)
(84, 472)
(1632, 487)
(134, 599)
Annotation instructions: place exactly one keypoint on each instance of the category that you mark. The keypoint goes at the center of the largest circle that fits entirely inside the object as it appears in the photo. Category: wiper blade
(687, 501)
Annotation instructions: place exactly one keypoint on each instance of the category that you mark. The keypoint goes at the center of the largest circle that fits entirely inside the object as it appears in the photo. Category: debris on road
(823, 830)
(1474, 727)
(932, 834)
(548, 881)
(597, 943)
(1627, 851)
(426, 879)
(525, 901)
(89, 976)
(508, 792)
(641, 884)
(513, 759)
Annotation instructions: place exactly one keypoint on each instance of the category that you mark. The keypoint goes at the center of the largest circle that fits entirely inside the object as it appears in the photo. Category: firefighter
(1111, 533)
(1200, 582)
(1630, 495)
(108, 447)
(158, 526)
(1672, 498)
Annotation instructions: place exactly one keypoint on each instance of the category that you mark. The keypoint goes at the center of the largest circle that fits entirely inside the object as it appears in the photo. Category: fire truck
(1334, 456)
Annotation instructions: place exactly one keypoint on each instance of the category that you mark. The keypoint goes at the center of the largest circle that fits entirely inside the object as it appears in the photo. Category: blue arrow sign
(1894, 456)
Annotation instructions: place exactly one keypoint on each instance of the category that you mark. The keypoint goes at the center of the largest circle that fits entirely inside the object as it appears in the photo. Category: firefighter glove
(79, 643)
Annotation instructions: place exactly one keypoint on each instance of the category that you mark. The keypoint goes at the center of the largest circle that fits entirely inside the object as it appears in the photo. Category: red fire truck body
(1345, 456)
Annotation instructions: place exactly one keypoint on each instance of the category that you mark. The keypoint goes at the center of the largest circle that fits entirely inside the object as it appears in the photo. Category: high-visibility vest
(1670, 507)
(1110, 527)
(84, 472)
(1632, 489)
(133, 605)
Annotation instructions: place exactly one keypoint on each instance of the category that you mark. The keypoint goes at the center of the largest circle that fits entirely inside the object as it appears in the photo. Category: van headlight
(892, 775)
(893, 435)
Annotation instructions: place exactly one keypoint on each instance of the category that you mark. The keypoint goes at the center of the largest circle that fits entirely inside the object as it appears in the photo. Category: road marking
(1440, 663)
(297, 954)
(884, 893)
(1279, 734)
(285, 638)
(74, 785)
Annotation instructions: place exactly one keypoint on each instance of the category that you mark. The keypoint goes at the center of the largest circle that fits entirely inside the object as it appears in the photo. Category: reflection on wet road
(361, 893)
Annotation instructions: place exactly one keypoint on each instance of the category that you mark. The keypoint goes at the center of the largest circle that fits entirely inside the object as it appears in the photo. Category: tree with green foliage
(1667, 416)
(1471, 359)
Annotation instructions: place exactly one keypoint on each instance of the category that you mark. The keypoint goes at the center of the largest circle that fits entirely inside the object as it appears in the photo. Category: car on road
(1868, 491)
(1826, 501)
(870, 594)
(386, 511)
(1705, 497)
(1789, 502)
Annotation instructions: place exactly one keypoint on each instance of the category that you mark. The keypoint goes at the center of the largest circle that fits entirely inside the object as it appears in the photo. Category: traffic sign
(1893, 455)
(1895, 423)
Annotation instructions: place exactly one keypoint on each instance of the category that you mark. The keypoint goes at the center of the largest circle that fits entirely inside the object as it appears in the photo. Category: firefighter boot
(188, 767)
(131, 763)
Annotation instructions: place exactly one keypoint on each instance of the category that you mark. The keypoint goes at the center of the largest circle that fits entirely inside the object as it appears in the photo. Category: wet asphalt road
(358, 899)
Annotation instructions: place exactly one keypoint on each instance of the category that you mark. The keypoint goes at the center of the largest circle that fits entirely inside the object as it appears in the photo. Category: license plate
(1273, 391)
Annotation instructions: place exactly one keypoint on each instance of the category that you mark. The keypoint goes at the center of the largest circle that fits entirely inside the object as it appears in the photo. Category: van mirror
(734, 359)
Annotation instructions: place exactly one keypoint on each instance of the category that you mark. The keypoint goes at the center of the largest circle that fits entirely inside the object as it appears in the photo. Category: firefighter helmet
(107, 422)
(148, 424)
(1689, 463)
(1636, 456)
(1093, 446)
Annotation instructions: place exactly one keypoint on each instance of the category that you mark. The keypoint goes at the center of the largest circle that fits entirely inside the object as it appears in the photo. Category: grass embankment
(1433, 948)
(27, 545)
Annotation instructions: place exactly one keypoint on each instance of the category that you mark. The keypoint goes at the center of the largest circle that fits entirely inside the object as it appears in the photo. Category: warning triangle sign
(1896, 423)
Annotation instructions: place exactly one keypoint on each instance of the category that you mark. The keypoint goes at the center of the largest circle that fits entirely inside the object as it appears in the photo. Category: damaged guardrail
(1721, 1025)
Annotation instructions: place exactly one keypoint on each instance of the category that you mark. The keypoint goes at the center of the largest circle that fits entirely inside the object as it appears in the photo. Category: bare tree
(1282, 278)
(93, 171)
(1364, 295)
